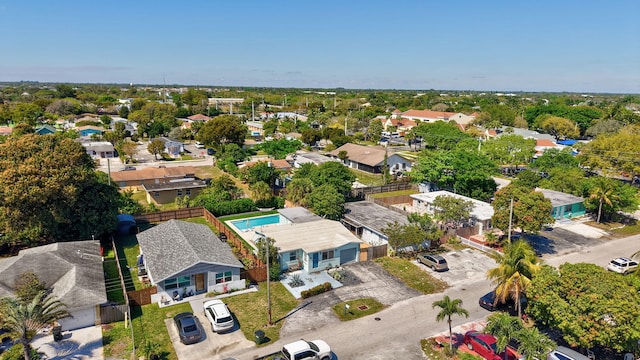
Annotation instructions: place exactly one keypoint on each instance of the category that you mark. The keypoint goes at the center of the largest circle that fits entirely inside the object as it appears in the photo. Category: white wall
(82, 317)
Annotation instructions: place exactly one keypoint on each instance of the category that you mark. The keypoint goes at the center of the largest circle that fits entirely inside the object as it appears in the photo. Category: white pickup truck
(302, 349)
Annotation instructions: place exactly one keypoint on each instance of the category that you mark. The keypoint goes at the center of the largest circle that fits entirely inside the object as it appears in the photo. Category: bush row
(316, 290)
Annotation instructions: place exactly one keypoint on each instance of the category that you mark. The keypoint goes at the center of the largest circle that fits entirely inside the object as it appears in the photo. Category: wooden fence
(112, 313)
(373, 252)
(141, 297)
(397, 186)
(170, 215)
(256, 274)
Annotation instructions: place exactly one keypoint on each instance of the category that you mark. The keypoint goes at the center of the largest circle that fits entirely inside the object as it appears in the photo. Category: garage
(347, 255)
(81, 318)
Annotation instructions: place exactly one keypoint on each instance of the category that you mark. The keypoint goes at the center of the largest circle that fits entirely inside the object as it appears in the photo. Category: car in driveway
(435, 262)
(622, 265)
(564, 353)
(188, 327)
(128, 168)
(218, 315)
(485, 346)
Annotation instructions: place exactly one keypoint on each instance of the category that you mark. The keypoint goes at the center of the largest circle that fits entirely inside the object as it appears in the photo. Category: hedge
(316, 290)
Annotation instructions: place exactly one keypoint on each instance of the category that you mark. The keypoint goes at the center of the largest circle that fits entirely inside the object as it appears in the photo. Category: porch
(309, 280)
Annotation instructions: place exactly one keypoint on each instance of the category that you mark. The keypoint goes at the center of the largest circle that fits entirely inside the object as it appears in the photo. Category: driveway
(85, 343)
(213, 343)
(466, 267)
(563, 240)
(362, 280)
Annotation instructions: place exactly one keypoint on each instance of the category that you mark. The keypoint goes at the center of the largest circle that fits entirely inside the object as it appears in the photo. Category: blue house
(88, 130)
(45, 130)
(565, 206)
(172, 147)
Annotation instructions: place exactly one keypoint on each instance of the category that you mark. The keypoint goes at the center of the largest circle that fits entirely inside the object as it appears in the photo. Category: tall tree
(534, 345)
(512, 276)
(222, 130)
(531, 210)
(327, 202)
(504, 327)
(510, 149)
(607, 196)
(156, 147)
(298, 189)
(452, 210)
(25, 318)
(449, 307)
(50, 191)
(560, 128)
(613, 153)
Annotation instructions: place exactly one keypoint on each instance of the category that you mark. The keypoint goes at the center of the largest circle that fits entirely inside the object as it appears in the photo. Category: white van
(564, 353)
(199, 145)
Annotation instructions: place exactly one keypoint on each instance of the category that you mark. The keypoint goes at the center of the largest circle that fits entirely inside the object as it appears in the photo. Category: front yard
(410, 274)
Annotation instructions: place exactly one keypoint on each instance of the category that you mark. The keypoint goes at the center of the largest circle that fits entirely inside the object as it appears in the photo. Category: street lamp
(264, 238)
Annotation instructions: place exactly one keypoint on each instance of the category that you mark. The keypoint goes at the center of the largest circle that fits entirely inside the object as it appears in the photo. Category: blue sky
(495, 45)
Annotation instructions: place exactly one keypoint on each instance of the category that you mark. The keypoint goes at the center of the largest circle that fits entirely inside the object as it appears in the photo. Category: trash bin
(57, 333)
(259, 337)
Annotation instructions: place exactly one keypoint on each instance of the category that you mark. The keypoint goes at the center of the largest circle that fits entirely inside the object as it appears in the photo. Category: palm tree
(24, 319)
(533, 343)
(504, 327)
(449, 307)
(603, 192)
(515, 269)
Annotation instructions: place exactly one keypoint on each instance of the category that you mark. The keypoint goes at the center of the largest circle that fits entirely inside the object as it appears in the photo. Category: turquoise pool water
(249, 223)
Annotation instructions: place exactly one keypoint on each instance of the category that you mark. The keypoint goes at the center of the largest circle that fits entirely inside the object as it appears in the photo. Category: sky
(492, 45)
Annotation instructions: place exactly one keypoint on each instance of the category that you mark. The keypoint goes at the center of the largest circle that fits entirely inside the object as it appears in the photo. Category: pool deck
(250, 235)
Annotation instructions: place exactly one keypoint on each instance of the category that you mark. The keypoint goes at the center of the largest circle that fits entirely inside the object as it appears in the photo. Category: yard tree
(403, 235)
(51, 192)
(330, 172)
(567, 180)
(531, 210)
(261, 171)
(311, 136)
(604, 126)
(298, 189)
(504, 327)
(261, 193)
(440, 135)
(512, 277)
(614, 153)
(553, 158)
(279, 149)
(534, 344)
(222, 130)
(374, 132)
(607, 196)
(24, 319)
(129, 149)
(560, 128)
(449, 307)
(428, 226)
(510, 149)
(156, 147)
(589, 305)
(452, 210)
(327, 202)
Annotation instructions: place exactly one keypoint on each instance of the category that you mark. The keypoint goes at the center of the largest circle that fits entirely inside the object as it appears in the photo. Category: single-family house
(88, 130)
(303, 157)
(71, 270)
(255, 128)
(198, 117)
(309, 242)
(402, 125)
(433, 116)
(172, 147)
(100, 149)
(151, 175)
(372, 158)
(565, 206)
(183, 258)
(367, 220)
(46, 130)
(167, 192)
(543, 145)
(481, 213)
(279, 164)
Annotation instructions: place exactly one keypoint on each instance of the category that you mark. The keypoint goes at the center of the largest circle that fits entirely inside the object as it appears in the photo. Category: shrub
(222, 208)
(316, 290)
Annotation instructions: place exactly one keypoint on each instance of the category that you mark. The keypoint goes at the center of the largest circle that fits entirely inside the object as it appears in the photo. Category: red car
(485, 346)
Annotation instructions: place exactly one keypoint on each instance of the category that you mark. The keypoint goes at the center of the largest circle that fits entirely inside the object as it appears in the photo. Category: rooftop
(310, 236)
(481, 210)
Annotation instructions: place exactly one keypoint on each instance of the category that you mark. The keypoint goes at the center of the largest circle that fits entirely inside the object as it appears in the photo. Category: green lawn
(411, 275)
(251, 310)
(357, 308)
(128, 251)
(367, 178)
(394, 193)
(148, 326)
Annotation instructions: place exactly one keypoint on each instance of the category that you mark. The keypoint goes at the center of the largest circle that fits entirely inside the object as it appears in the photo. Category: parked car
(435, 262)
(188, 327)
(564, 353)
(488, 301)
(128, 168)
(622, 265)
(485, 346)
(210, 151)
(199, 145)
(219, 316)
(302, 349)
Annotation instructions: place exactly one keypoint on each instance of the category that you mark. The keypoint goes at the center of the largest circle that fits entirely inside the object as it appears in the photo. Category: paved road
(601, 253)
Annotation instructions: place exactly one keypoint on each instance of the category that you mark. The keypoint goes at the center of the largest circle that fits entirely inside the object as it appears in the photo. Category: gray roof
(298, 214)
(371, 215)
(73, 270)
(558, 198)
(528, 134)
(175, 245)
(186, 183)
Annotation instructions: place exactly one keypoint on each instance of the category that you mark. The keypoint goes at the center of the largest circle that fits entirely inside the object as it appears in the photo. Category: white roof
(481, 210)
(312, 236)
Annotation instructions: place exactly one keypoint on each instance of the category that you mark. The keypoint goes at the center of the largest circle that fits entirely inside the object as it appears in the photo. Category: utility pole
(510, 218)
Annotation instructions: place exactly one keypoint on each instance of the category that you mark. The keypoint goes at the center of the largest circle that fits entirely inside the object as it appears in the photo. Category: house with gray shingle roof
(371, 158)
(183, 258)
(71, 270)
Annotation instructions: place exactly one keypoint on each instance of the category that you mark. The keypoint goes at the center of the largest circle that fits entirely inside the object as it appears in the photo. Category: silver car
(435, 262)
(564, 353)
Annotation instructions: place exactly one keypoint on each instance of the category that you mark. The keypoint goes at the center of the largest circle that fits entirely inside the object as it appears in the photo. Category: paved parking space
(466, 266)
(213, 343)
(85, 343)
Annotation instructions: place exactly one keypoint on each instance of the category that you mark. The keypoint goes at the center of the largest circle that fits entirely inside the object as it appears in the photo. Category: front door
(199, 282)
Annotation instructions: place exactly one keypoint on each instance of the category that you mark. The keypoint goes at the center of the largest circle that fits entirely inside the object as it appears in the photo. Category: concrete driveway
(85, 343)
(213, 343)
(466, 266)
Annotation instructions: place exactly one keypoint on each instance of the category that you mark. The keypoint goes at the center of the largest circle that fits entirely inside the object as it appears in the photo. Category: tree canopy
(614, 153)
(531, 210)
(222, 130)
(589, 305)
(280, 148)
(51, 192)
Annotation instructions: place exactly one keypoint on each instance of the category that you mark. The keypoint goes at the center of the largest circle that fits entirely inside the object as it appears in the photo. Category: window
(179, 192)
(156, 194)
(223, 277)
(326, 255)
(188, 191)
(293, 256)
(179, 282)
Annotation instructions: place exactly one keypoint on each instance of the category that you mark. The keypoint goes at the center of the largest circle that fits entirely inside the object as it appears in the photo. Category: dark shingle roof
(175, 245)
(73, 270)
(372, 216)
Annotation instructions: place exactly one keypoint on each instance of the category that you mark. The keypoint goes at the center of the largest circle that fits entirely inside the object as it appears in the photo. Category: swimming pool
(249, 223)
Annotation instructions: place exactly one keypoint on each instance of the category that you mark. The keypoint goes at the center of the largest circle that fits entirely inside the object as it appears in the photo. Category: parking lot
(212, 343)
